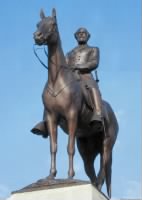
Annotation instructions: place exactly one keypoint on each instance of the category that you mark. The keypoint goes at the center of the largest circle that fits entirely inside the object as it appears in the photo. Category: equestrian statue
(72, 100)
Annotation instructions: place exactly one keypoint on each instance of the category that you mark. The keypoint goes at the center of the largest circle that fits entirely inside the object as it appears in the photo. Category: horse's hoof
(70, 178)
(41, 180)
(71, 174)
(94, 184)
(50, 177)
(99, 187)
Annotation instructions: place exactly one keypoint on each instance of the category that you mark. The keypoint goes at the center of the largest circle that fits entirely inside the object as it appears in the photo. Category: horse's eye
(54, 27)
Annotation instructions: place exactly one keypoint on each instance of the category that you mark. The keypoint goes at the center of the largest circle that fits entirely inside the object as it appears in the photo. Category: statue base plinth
(58, 190)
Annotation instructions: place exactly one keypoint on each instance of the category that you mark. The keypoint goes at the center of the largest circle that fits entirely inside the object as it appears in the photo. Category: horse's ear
(54, 13)
(42, 15)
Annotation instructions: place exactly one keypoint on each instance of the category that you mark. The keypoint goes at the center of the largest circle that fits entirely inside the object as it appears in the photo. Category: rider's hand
(73, 68)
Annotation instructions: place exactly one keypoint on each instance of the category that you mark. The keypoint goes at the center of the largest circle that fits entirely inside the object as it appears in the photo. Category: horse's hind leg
(88, 155)
(90, 169)
(52, 128)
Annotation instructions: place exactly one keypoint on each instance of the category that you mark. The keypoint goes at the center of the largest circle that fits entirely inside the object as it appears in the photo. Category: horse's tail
(111, 135)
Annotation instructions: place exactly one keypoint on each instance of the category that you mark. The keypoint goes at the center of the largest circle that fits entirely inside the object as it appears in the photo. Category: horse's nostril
(37, 34)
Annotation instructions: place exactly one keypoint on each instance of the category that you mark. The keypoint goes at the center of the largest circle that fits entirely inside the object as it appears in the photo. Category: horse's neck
(55, 60)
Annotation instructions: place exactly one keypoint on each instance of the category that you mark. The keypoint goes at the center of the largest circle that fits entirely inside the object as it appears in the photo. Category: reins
(50, 90)
(35, 52)
(41, 62)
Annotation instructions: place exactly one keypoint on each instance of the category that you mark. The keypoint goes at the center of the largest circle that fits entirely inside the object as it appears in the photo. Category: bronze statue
(67, 104)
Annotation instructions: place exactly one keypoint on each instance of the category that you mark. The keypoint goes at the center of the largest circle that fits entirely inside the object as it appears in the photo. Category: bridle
(35, 52)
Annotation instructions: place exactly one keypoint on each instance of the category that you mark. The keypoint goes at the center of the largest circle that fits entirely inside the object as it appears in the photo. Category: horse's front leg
(52, 128)
(72, 124)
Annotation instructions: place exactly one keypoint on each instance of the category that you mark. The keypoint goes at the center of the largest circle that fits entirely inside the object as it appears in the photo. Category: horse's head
(47, 32)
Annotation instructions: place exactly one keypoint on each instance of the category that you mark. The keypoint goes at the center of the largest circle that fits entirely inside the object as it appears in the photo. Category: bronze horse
(65, 105)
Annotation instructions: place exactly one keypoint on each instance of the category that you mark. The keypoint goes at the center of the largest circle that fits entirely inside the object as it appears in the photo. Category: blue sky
(115, 29)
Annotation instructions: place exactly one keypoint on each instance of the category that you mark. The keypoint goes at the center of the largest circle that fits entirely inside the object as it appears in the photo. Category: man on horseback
(85, 59)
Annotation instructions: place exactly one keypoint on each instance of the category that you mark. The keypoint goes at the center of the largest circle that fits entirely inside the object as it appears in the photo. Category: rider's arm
(93, 61)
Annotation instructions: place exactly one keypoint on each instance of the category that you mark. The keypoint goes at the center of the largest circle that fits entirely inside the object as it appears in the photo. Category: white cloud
(133, 190)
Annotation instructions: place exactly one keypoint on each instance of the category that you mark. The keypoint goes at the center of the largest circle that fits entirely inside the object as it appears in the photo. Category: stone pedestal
(61, 190)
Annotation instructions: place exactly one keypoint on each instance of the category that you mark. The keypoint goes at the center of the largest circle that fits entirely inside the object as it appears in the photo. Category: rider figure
(85, 59)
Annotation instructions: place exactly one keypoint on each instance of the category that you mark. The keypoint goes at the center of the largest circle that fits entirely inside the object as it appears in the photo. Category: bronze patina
(67, 99)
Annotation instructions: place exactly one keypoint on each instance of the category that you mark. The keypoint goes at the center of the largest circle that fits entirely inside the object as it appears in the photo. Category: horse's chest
(54, 101)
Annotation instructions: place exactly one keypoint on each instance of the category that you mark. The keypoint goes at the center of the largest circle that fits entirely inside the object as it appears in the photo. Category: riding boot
(97, 112)
(40, 129)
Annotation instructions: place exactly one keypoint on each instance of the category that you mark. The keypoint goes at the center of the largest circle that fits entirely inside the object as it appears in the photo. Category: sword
(96, 74)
